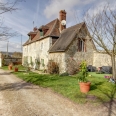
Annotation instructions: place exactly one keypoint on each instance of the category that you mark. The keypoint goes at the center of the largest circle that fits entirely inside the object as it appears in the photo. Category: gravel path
(18, 98)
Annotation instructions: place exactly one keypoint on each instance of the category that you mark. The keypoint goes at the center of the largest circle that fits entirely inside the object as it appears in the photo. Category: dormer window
(43, 29)
(32, 34)
(29, 37)
(41, 33)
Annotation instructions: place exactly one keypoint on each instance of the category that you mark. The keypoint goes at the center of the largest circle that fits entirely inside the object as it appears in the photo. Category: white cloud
(55, 6)
(52, 9)
(75, 9)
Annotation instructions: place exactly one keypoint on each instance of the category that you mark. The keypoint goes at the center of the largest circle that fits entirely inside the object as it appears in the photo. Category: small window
(42, 62)
(30, 38)
(41, 33)
(81, 45)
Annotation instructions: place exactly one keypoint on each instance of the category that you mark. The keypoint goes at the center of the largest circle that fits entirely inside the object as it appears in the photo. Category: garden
(101, 90)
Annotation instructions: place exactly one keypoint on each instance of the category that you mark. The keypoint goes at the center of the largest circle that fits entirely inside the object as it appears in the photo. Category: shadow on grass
(111, 104)
(94, 85)
(106, 97)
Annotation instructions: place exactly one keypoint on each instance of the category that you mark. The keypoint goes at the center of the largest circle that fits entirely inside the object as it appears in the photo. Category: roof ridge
(51, 21)
(53, 26)
(75, 25)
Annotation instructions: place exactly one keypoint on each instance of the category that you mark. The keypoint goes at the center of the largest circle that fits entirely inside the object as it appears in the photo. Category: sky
(34, 13)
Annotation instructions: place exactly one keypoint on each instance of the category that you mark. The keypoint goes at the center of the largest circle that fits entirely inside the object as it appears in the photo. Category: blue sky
(43, 11)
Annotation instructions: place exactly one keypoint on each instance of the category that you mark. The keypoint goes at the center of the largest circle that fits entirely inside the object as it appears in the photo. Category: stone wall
(60, 59)
(72, 55)
(38, 50)
(69, 61)
(100, 60)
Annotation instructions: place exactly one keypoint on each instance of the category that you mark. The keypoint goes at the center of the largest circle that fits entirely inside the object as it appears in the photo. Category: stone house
(66, 46)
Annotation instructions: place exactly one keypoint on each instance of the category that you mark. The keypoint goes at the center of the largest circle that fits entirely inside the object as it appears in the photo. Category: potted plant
(10, 66)
(16, 68)
(83, 73)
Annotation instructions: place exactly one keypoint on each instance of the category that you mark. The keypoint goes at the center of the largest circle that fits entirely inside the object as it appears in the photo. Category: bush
(53, 67)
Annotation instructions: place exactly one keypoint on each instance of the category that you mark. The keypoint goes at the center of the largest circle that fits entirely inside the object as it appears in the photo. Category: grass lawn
(101, 90)
(20, 67)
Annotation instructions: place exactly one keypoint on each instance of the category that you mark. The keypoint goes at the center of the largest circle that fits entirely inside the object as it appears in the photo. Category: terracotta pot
(10, 67)
(84, 86)
(16, 69)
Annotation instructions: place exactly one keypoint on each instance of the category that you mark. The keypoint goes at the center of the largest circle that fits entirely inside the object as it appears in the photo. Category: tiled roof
(66, 38)
(53, 30)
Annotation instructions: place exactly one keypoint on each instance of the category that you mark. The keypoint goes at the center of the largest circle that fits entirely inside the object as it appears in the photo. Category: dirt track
(18, 98)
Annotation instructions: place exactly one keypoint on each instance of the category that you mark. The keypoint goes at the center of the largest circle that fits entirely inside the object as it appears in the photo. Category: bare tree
(6, 32)
(102, 27)
(7, 7)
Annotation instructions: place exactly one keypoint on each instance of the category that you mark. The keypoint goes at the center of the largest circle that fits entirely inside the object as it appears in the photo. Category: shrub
(53, 67)
(83, 73)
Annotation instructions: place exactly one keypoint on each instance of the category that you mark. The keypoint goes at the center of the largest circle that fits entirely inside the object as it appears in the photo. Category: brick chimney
(35, 29)
(62, 16)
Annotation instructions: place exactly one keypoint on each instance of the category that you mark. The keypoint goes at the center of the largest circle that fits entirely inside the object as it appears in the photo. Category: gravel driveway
(18, 98)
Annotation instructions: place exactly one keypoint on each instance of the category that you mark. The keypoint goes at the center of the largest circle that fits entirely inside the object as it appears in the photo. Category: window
(81, 45)
(41, 33)
(42, 62)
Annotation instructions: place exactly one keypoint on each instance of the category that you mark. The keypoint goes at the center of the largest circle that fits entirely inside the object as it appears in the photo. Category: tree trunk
(113, 66)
